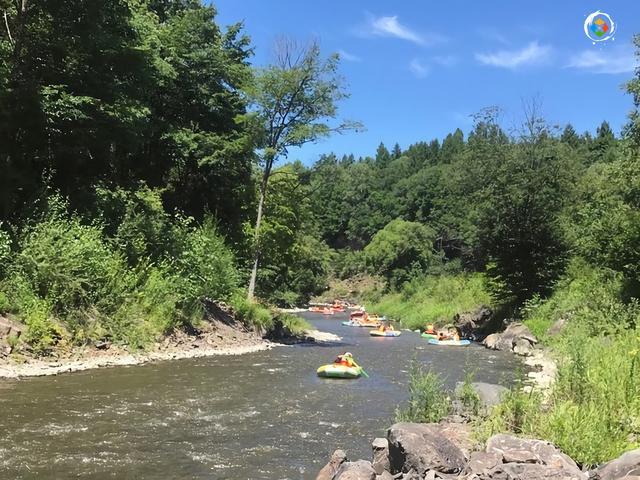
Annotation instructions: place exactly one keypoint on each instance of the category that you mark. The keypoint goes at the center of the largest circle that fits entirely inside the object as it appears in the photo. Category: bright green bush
(295, 324)
(433, 299)
(68, 263)
(251, 313)
(428, 401)
(206, 264)
(589, 297)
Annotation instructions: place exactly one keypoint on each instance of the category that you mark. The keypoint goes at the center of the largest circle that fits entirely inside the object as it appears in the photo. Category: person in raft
(385, 328)
(430, 329)
(345, 359)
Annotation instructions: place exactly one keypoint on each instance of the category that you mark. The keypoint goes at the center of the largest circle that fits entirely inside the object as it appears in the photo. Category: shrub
(207, 264)
(401, 250)
(433, 299)
(428, 400)
(468, 396)
(295, 324)
(251, 313)
(68, 264)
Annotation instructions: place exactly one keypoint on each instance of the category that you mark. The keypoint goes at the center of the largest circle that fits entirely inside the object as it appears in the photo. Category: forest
(146, 164)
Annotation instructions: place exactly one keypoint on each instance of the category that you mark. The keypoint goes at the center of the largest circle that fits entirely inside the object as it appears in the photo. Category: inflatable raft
(429, 335)
(338, 371)
(450, 343)
(357, 323)
(389, 333)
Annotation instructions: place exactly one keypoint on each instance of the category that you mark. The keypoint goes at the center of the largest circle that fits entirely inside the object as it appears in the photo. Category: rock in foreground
(415, 451)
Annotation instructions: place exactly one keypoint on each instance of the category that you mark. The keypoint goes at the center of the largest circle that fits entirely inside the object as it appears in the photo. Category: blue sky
(416, 69)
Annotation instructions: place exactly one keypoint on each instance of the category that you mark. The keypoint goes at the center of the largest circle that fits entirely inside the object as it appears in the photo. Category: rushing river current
(264, 415)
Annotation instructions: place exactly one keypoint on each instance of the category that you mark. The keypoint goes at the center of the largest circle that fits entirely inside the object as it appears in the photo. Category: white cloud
(620, 60)
(349, 57)
(391, 27)
(532, 54)
(446, 61)
(418, 68)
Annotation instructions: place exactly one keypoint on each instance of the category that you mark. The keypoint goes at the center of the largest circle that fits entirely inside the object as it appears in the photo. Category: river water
(263, 415)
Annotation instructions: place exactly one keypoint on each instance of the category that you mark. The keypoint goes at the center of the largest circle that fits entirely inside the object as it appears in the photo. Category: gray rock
(490, 394)
(9, 327)
(385, 476)
(626, 466)
(380, 463)
(491, 341)
(557, 326)
(515, 334)
(523, 347)
(423, 447)
(530, 471)
(483, 462)
(523, 450)
(473, 324)
(330, 469)
(360, 470)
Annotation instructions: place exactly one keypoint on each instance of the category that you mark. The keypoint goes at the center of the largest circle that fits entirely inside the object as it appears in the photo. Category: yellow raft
(333, 370)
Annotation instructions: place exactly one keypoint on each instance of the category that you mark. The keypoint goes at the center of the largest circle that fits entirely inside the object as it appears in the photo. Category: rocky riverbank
(219, 334)
(413, 451)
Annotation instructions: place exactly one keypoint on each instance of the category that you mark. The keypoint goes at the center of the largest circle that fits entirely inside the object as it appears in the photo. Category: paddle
(361, 369)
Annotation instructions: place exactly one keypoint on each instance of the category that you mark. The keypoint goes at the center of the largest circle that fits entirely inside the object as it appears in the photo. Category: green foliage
(250, 312)
(68, 281)
(593, 411)
(69, 264)
(428, 401)
(433, 299)
(293, 323)
(294, 263)
(468, 396)
(588, 299)
(401, 250)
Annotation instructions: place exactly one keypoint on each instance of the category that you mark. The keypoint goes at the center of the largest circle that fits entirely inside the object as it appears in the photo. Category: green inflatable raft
(333, 370)
(431, 336)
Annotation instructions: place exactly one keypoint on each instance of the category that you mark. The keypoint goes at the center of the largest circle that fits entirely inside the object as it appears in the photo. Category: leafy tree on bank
(121, 93)
(294, 99)
(401, 250)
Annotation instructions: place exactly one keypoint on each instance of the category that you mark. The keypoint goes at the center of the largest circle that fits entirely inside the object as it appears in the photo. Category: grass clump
(593, 409)
(468, 397)
(428, 400)
(433, 299)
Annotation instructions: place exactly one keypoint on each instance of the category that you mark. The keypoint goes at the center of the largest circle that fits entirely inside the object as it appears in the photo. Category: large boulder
(330, 469)
(380, 463)
(530, 451)
(529, 471)
(474, 324)
(423, 447)
(625, 467)
(481, 463)
(516, 338)
(489, 394)
(360, 470)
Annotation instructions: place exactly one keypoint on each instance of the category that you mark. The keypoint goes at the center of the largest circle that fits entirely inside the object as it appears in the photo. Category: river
(263, 415)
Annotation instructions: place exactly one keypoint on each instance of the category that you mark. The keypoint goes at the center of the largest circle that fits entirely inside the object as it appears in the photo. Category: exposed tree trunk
(256, 255)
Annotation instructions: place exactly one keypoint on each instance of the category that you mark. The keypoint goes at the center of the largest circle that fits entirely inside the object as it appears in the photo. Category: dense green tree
(294, 100)
(119, 93)
(519, 230)
(401, 250)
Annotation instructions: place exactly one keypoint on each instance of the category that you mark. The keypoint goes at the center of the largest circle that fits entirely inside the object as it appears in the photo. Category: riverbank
(216, 336)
